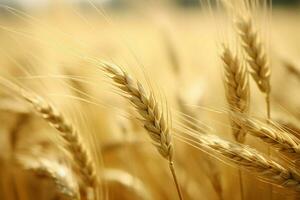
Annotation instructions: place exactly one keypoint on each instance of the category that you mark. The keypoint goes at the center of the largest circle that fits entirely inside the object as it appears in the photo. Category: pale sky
(42, 3)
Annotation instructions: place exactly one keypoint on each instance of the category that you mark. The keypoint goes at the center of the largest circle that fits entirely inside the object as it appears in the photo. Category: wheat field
(150, 101)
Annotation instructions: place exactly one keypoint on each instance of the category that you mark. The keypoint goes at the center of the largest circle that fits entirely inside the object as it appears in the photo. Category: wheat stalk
(69, 133)
(237, 89)
(252, 161)
(256, 57)
(153, 119)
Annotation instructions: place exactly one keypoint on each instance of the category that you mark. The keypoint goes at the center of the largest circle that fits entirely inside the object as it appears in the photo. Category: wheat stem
(268, 103)
(241, 184)
(171, 165)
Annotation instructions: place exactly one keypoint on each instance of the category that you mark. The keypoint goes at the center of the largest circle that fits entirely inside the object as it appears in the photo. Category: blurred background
(29, 4)
(176, 43)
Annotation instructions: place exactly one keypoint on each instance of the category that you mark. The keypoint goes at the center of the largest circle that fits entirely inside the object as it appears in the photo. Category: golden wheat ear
(253, 161)
(60, 175)
(67, 131)
(281, 140)
(153, 118)
(289, 125)
(237, 89)
(126, 180)
(257, 58)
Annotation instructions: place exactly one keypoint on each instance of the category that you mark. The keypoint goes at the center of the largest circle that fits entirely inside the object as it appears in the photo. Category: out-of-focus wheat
(131, 183)
(69, 133)
(59, 174)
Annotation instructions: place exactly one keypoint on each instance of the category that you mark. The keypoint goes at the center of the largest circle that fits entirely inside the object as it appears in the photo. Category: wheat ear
(279, 139)
(290, 126)
(252, 161)
(55, 172)
(133, 184)
(237, 89)
(153, 119)
(69, 133)
(257, 57)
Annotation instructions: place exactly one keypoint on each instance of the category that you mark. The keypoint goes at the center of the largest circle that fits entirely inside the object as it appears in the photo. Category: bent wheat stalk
(257, 57)
(237, 90)
(153, 119)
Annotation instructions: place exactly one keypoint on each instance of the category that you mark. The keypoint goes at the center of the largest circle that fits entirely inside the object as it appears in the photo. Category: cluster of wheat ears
(97, 149)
